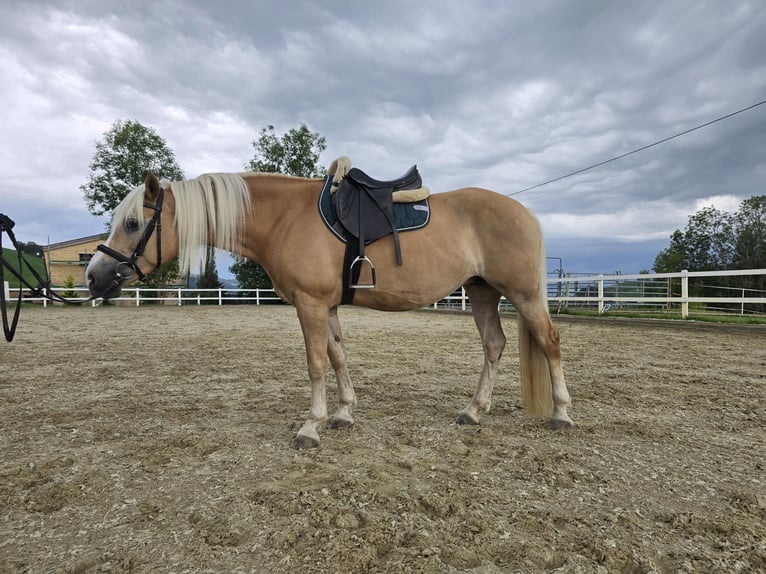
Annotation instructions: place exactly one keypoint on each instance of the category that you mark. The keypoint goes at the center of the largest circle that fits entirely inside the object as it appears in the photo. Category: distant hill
(10, 257)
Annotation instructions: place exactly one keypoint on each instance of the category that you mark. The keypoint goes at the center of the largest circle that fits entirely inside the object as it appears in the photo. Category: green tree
(209, 278)
(294, 153)
(167, 274)
(750, 247)
(31, 248)
(250, 275)
(716, 240)
(674, 257)
(69, 286)
(706, 244)
(122, 159)
(127, 151)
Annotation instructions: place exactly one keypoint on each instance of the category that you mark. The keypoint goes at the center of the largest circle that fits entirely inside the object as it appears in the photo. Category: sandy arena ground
(157, 439)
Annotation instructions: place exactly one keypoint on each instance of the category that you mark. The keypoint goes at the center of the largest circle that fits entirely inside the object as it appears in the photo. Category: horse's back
(488, 215)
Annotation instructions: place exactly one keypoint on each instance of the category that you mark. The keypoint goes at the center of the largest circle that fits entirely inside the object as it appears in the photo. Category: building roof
(73, 242)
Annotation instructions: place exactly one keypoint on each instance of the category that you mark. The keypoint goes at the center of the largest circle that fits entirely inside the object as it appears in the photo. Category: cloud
(503, 95)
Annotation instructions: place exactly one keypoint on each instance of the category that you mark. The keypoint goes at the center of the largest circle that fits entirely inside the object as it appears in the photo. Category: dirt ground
(157, 439)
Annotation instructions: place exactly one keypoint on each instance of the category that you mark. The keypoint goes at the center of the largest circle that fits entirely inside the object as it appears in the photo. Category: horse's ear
(152, 187)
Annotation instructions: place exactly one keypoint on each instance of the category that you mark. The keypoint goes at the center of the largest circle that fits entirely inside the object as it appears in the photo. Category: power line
(642, 148)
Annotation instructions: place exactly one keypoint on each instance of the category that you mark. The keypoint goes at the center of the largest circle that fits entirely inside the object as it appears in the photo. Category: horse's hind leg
(543, 347)
(484, 301)
(346, 397)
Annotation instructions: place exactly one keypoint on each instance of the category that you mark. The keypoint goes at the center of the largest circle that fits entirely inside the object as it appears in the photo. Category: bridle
(125, 269)
(127, 266)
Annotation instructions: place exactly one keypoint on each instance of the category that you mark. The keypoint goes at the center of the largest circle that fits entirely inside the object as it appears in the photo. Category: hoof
(556, 425)
(465, 419)
(340, 423)
(301, 441)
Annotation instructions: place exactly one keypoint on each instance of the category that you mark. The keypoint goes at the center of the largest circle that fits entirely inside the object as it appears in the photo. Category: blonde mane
(212, 206)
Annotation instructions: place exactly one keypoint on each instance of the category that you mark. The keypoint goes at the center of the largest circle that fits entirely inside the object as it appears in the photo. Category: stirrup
(361, 260)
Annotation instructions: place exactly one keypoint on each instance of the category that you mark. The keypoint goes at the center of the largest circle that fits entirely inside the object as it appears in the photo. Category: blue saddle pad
(407, 216)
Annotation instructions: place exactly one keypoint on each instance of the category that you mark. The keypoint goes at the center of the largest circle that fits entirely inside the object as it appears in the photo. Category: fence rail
(601, 292)
(176, 295)
(659, 291)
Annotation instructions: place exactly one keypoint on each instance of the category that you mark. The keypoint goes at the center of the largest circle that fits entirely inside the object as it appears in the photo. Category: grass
(672, 315)
(10, 257)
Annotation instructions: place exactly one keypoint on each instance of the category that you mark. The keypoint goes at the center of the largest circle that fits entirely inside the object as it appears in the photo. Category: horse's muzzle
(104, 288)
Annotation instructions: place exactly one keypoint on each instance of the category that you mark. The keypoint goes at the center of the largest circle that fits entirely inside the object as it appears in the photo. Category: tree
(750, 247)
(122, 159)
(716, 240)
(250, 275)
(167, 274)
(209, 278)
(294, 153)
(69, 286)
(31, 248)
(706, 244)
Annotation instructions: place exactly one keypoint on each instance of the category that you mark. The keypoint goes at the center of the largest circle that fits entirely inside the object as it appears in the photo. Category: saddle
(365, 208)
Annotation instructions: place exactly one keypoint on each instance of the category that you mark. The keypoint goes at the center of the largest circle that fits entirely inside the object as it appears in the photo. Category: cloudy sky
(501, 94)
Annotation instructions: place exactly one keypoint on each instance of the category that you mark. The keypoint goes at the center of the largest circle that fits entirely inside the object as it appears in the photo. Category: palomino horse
(484, 241)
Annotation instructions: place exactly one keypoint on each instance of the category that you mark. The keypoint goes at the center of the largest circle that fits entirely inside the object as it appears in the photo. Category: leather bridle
(127, 266)
(125, 269)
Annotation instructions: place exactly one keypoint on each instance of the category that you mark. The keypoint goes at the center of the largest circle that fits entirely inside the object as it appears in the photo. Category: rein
(43, 288)
(125, 269)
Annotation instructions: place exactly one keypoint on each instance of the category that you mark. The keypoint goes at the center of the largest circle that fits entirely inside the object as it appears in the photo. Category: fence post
(600, 293)
(220, 296)
(462, 299)
(45, 292)
(684, 293)
(138, 296)
(742, 307)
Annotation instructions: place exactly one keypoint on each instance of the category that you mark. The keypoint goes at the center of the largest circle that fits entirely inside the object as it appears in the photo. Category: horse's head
(143, 236)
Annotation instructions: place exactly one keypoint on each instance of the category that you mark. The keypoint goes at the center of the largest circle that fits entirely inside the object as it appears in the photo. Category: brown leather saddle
(365, 208)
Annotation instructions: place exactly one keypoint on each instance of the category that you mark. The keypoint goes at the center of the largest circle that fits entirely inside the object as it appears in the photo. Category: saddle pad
(407, 216)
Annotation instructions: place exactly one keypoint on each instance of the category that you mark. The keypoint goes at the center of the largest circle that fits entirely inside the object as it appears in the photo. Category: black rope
(9, 329)
(43, 288)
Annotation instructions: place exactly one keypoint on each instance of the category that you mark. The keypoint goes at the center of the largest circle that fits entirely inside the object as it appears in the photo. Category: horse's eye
(131, 225)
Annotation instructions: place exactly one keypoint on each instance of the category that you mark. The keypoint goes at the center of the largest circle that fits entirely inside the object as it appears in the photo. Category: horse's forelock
(131, 207)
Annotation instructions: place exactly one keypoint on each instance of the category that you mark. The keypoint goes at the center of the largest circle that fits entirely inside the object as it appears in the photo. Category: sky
(499, 94)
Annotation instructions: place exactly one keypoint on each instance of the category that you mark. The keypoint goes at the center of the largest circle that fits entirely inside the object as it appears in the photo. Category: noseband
(127, 265)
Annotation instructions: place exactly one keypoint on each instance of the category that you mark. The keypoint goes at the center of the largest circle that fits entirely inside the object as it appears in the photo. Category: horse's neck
(278, 202)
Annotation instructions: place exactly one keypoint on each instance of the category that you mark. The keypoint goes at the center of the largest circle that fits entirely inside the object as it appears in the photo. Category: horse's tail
(536, 387)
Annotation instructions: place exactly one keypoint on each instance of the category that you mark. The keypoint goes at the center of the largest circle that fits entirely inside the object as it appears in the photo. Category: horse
(476, 238)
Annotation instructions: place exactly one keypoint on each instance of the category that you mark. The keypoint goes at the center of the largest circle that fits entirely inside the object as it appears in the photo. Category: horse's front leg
(314, 319)
(343, 417)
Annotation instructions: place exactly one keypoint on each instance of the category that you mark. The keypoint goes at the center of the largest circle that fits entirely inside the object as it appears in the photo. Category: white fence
(661, 291)
(177, 296)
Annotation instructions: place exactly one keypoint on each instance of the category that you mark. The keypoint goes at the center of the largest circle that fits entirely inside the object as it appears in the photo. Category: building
(69, 258)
